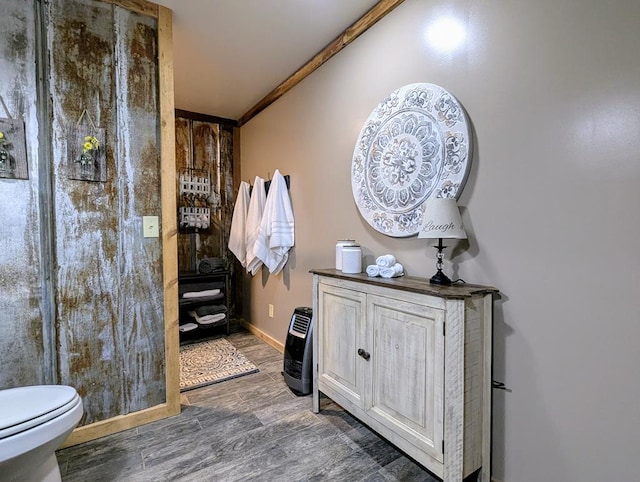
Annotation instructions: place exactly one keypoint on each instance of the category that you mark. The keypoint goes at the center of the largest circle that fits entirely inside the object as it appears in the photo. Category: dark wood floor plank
(251, 428)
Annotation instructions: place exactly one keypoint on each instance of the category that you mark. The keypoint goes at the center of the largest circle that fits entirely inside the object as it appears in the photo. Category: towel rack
(287, 181)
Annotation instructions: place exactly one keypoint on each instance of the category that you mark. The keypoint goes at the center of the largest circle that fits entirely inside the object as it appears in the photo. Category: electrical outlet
(150, 227)
(270, 311)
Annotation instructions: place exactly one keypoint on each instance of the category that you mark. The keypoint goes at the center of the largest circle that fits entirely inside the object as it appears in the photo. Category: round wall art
(416, 144)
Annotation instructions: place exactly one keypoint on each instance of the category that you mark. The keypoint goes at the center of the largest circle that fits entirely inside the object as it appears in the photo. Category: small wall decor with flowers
(86, 151)
(13, 152)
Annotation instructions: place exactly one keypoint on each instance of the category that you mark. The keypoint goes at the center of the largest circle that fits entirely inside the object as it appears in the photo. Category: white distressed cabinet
(412, 361)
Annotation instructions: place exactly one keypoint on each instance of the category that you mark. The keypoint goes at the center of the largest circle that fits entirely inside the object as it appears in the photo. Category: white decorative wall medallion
(416, 144)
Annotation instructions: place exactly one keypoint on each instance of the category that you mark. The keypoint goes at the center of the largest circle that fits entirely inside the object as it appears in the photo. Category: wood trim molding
(169, 221)
(487, 377)
(185, 114)
(139, 6)
(117, 424)
(377, 12)
(269, 340)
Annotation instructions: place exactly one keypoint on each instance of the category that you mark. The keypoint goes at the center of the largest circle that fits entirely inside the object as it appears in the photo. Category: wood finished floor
(251, 428)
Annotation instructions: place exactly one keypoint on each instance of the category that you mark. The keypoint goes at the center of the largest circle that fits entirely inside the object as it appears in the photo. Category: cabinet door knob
(364, 354)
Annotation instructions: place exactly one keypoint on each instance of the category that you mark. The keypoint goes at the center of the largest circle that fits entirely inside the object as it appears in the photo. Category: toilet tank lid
(19, 405)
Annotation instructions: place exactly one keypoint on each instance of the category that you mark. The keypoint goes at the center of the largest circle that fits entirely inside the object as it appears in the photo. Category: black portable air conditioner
(298, 352)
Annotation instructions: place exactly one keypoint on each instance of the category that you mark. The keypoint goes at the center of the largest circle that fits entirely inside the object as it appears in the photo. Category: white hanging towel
(237, 236)
(276, 234)
(254, 218)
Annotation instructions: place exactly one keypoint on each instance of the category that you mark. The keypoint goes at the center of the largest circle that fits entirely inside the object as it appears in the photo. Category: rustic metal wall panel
(77, 244)
(138, 171)
(22, 354)
(81, 41)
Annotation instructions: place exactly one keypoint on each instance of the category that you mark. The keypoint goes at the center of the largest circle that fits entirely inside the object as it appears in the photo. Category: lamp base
(440, 279)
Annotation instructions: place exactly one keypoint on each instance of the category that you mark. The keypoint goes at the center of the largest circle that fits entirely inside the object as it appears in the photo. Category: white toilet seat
(24, 408)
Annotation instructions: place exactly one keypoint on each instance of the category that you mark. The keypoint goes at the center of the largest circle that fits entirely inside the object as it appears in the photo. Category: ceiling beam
(378, 11)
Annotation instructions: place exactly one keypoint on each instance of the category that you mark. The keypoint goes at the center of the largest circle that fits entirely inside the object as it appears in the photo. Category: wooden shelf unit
(188, 282)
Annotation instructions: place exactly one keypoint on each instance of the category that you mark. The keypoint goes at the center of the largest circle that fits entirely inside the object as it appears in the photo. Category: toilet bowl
(34, 421)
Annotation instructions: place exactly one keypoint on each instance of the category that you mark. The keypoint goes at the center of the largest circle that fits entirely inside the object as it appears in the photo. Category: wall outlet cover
(150, 227)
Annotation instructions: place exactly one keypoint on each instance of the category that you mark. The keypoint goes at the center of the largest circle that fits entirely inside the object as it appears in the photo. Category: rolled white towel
(373, 270)
(386, 260)
(393, 272)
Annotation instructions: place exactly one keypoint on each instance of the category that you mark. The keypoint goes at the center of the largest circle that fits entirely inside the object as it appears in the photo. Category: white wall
(552, 89)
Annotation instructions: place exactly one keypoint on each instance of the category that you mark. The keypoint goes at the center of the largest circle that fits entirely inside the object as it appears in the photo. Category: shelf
(193, 282)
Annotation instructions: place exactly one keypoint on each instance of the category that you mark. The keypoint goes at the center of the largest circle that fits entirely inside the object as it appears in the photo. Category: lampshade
(442, 220)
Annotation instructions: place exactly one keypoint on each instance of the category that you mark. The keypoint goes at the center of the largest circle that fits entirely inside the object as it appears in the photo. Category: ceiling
(229, 54)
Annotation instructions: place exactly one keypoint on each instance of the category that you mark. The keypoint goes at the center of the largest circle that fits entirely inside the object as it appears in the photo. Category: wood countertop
(412, 284)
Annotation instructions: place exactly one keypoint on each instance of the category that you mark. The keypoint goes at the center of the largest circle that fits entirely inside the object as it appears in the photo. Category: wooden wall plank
(206, 160)
(141, 309)
(378, 11)
(205, 149)
(22, 351)
(227, 201)
(183, 162)
(169, 222)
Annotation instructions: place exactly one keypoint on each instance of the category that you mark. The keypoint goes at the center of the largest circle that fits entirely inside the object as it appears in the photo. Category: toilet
(34, 421)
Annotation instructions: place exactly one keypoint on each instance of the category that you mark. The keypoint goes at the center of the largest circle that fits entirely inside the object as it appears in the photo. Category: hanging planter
(13, 153)
(86, 151)
(6, 161)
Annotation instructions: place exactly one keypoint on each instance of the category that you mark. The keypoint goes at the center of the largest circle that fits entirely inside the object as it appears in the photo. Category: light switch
(150, 227)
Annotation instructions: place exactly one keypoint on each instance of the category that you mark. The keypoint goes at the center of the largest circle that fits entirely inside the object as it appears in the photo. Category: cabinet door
(340, 334)
(407, 371)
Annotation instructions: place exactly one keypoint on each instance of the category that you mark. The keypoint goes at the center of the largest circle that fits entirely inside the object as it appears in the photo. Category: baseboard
(269, 340)
(118, 424)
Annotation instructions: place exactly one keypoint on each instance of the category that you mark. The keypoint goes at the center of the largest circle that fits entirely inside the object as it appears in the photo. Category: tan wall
(552, 89)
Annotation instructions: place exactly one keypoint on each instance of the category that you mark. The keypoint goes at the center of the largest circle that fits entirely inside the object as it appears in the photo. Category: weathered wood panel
(138, 172)
(183, 162)
(206, 159)
(206, 149)
(22, 343)
(227, 198)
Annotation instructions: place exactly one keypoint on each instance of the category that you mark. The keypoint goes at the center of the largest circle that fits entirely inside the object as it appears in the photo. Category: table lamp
(442, 221)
